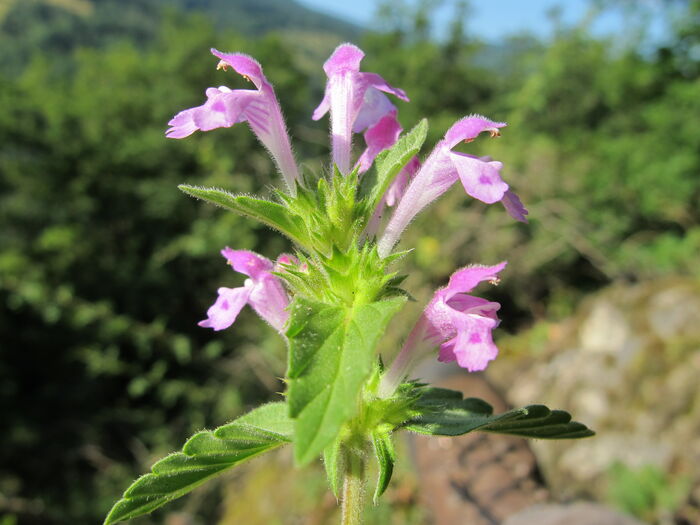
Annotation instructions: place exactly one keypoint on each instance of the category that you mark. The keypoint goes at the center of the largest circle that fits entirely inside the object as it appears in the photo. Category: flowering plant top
(333, 299)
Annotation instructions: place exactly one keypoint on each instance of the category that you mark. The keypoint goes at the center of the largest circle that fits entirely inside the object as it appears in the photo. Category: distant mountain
(59, 26)
(250, 16)
(259, 16)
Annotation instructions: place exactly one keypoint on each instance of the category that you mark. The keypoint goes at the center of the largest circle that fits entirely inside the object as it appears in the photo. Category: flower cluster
(458, 323)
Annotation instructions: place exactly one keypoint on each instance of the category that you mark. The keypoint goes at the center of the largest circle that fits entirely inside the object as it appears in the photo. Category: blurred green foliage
(646, 492)
(105, 267)
(255, 495)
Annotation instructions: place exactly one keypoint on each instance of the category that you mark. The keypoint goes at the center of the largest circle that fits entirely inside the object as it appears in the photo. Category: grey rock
(574, 514)
(626, 364)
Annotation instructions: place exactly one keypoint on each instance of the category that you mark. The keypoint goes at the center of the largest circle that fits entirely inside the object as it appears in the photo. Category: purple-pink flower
(259, 107)
(263, 291)
(480, 177)
(355, 99)
(461, 323)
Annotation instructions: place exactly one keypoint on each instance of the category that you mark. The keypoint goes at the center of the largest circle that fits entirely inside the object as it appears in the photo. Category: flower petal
(468, 128)
(393, 195)
(286, 259)
(481, 180)
(461, 323)
(375, 106)
(514, 206)
(343, 94)
(223, 109)
(377, 82)
(473, 345)
(465, 303)
(248, 263)
(379, 137)
(466, 279)
(400, 183)
(244, 65)
(182, 125)
(323, 107)
(346, 57)
(270, 300)
(224, 311)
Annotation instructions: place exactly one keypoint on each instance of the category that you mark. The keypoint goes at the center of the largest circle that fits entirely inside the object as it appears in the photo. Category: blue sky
(493, 19)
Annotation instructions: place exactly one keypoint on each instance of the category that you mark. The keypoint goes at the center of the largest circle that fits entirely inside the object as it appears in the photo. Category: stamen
(222, 65)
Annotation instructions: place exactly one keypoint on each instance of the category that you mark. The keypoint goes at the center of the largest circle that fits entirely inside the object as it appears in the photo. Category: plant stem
(353, 502)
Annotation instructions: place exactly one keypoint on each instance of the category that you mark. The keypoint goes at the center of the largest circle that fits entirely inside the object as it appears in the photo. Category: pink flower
(480, 178)
(461, 323)
(263, 291)
(356, 100)
(259, 107)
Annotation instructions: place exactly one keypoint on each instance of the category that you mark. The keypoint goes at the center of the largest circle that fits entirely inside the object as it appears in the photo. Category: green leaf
(331, 352)
(205, 455)
(388, 164)
(334, 463)
(443, 412)
(386, 456)
(269, 213)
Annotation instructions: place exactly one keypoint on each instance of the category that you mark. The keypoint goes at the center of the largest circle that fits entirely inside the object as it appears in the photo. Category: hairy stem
(353, 500)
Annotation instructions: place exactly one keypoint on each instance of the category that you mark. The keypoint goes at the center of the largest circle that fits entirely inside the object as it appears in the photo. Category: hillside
(259, 16)
(59, 26)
